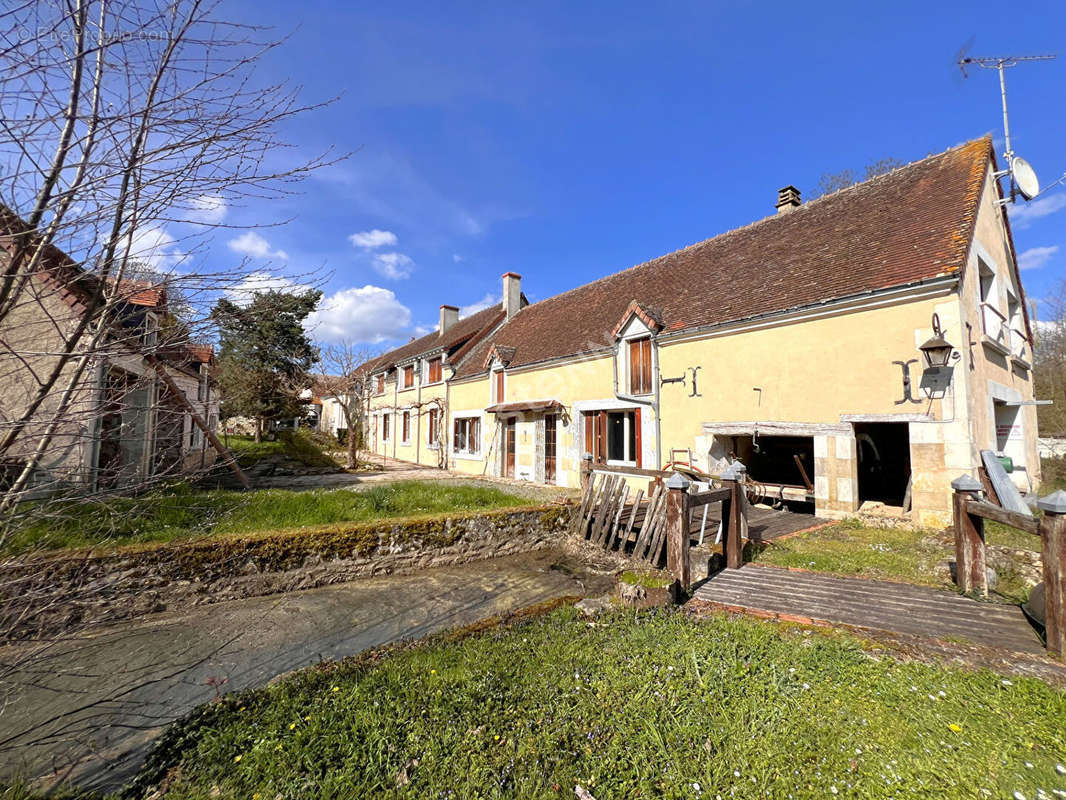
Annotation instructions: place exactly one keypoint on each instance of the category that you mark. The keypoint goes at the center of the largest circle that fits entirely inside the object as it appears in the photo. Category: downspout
(418, 418)
(652, 404)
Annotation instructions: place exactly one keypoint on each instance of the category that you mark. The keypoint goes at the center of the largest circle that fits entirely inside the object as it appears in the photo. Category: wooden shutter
(640, 366)
(499, 386)
(434, 370)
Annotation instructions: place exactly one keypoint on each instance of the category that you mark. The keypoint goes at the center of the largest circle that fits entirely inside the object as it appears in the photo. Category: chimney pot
(512, 293)
(449, 315)
(788, 198)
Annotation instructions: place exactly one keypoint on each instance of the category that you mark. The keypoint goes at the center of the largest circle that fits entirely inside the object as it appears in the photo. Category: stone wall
(45, 595)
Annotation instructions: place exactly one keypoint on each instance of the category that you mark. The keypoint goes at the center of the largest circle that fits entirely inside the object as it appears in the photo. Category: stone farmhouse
(131, 413)
(863, 346)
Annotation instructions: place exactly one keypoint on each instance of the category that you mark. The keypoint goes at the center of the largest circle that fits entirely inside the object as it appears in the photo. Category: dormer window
(498, 386)
(640, 365)
(408, 376)
(379, 384)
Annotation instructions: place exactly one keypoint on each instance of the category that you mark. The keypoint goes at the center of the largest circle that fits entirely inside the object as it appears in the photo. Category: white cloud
(255, 283)
(154, 247)
(253, 245)
(367, 314)
(209, 209)
(422, 330)
(480, 305)
(1036, 257)
(456, 258)
(396, 266)
(369, 240)
(1022, 216)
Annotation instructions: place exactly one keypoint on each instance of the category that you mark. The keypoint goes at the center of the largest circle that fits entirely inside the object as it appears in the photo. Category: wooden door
(508, 448)
(549, 447)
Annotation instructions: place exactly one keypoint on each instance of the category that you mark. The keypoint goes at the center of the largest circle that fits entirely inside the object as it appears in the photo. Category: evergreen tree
(265, 357)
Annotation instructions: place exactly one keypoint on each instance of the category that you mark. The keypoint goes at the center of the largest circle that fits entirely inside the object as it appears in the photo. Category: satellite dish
(1025, 178)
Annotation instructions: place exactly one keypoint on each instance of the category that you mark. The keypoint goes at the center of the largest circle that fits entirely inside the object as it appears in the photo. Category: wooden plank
(590, 514)
(601, 512)
(645, 529)
(608, 510)
(1009, 496)
(710, 496)
(586, 499)
(623, 537)
(1014, 519)
(863, 613)
(658, 533)
(637, 471)
(613, 530)
(867, 593)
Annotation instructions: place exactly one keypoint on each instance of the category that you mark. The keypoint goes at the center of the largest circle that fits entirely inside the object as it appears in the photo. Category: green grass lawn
(850, 548)
(180, 512)
(298, 446)
(649, 705)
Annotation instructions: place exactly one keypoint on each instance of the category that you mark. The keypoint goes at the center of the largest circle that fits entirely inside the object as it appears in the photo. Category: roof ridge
(754, 223)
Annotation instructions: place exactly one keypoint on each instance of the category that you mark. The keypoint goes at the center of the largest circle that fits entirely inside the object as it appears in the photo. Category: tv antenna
(1023, 178)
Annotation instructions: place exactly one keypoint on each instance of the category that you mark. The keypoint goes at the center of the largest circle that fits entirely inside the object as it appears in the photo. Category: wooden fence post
(678, 559)
(586, 472)
(734, 518)
(970, 571)
(1053, 554)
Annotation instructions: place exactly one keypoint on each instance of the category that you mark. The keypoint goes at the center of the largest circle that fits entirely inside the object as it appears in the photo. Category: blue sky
(566, 141)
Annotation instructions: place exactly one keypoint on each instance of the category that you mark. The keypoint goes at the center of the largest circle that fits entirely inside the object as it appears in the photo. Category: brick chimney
(788, 199)
(512, 293)
(449, 315)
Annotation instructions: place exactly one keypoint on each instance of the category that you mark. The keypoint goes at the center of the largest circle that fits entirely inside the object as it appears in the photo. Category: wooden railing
(971, 575)
(667, 522)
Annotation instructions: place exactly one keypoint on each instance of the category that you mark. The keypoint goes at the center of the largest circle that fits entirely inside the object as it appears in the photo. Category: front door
(508, 447)
(549, 448)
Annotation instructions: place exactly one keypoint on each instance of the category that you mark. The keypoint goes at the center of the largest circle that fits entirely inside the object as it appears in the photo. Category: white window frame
(150, 337)
(468, 453)
(634, 329)
(401, 374)
(627, 437)
(425, 377)
(433, 445)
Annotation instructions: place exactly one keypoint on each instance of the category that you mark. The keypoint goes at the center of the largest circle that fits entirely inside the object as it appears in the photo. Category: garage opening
(884, 451)
(781, 460)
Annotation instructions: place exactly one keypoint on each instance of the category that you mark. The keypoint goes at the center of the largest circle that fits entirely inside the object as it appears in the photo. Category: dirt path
(88, 710)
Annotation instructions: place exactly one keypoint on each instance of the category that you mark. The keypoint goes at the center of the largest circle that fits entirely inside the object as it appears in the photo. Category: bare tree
(129, 127)
(1049, 365)
(831, 182)
(347, 372)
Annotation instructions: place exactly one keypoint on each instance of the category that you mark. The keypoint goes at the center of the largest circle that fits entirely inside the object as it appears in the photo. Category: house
(132, 398)
(794, 344)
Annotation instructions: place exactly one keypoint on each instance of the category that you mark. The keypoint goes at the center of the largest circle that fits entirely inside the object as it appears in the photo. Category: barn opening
(780, 460)
(884, 452)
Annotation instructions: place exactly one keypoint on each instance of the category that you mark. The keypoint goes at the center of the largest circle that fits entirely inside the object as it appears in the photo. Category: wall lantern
(937, 350)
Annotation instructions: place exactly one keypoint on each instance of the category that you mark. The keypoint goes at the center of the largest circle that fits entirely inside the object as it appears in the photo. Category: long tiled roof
(456, 336)
(910, 225)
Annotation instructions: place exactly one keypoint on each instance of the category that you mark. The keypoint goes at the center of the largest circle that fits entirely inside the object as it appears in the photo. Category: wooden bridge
(620, 519)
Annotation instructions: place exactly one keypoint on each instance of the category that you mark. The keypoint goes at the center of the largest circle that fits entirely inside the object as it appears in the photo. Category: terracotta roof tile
(909, 225)
(455, 337)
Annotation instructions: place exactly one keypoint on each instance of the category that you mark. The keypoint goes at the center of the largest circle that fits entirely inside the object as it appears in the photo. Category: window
(467, 435)
(433, 428)
(498, 387)
(201, 386)
(613, 436)
(640, 365)
(379, 387)
(433, 372)
(406, 429)
(151, 330)
(385, 427)
(408, 376)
